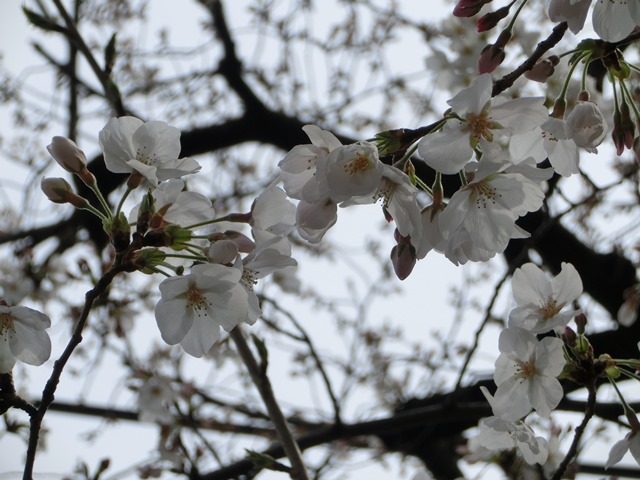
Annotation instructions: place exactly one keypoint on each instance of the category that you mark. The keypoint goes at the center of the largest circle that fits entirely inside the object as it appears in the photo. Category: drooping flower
(526, 372)
(398, 197)
(499, 434)
(23, 337)
(541, 300)
(151, 149)
(586, 126)
(266, 258)
(631, 441)
(193, 307)
(298, 167)
(574, 12)
(449, 150)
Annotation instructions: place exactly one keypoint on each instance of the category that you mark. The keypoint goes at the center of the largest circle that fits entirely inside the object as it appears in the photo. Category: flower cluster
(217, 291)
(527, 368)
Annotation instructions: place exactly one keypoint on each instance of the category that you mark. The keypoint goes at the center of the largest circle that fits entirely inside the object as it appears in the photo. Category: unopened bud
(542, 70)
(58, 190)
(403, 256)
(67, 154)
(490, 57)
(468, 8)
(569, 337)
(581, 323)
(491, 19)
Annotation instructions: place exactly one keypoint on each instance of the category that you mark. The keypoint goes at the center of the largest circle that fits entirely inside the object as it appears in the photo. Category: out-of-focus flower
(23, 337)
(151, 149)
(154, 398)
(631, 442)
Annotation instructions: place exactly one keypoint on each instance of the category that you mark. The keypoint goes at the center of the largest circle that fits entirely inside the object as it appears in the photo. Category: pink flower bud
(468, 8)
(490, 57)
(403, 258)
(67, 154)
(491, 19)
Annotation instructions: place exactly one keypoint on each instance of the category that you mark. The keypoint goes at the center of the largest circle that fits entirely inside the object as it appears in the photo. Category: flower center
(484, 194)
(6, 326)
(143, 157)
(360, 164)
(527, 369)
(197, 302)
(549, 308)
(249, 279)
(480, 126)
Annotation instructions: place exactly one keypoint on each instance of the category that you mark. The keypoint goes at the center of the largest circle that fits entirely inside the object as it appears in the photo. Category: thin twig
(262, 383)
(48, 394)
(588, 413)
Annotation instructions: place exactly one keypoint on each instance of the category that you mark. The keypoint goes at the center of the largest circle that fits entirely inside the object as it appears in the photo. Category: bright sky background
(432, 279)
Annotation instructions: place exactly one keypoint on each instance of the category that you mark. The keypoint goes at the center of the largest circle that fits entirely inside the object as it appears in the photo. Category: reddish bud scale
(491, 19)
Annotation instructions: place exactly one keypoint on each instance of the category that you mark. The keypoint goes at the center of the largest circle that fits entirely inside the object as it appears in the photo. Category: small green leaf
(41, 21)
(110, 54)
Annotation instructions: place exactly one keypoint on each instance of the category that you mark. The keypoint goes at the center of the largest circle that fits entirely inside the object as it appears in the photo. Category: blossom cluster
(527, 369)
(217, 290)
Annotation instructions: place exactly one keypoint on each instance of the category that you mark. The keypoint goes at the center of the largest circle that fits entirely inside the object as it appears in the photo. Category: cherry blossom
(499, 434)
(398, 195)
(479, 220)
(298, 167)
(151, 149)
(477, 119)
(586, 126)
(272, 214)
(23, 337)
(193, 307)
(613, 20)
(350, 171)
(631, 442)
(541, 300)
(154, 398)
(549, 141)
(176, 205)
(525, 374)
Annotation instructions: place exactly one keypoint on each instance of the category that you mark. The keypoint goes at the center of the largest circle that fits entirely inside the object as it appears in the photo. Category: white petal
(474, 98)
(530, 285)
(174, 320)
(204, 332)
(617, 452)
(321, 138)
(447, 151)
(611, 20)
(567, 285)
(156, 141)
(29, 345)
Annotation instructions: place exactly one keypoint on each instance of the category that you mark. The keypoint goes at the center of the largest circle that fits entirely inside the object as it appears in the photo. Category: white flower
(574, 12)
(630, 442)
(154, 398)
(526, 372)
(350, 171)
(586, 126)
(272, 214)
(150, 148)
(431, 237)
(313, 220)
(179, 206)
(449, 150)
(479, 220)
(499, 434)
(549, 141)
(266, 258)
(398, 195)
(23, 337)
(193, 307)
(541, 300)
(614, 20)
(298, 167)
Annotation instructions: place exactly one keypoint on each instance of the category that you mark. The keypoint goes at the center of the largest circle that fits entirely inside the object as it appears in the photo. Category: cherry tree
(193, 195)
